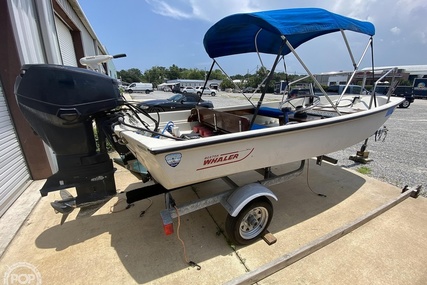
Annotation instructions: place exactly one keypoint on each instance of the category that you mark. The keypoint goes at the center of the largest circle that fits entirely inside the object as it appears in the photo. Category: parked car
(248, 90)
(299, 92)
(351, 89)
(177, 102)
(206, 91)
(399, 91)
(407, 102)
(188, 90)
(140, 87)
(407, 93)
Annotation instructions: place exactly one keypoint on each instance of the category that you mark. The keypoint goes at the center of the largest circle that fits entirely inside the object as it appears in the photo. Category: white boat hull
(179, 163)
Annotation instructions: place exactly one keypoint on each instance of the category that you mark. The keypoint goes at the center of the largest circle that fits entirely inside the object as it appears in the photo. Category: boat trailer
(249, 209)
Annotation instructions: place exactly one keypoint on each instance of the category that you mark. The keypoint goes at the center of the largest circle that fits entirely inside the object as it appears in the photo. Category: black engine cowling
(61, 103)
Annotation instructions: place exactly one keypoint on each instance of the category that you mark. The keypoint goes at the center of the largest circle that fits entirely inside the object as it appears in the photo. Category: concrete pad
(11, 221)
(124, 248)
(120, 248)
(388, 250)
(384, 251)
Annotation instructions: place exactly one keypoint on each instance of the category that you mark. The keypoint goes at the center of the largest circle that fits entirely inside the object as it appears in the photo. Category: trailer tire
(251, 222)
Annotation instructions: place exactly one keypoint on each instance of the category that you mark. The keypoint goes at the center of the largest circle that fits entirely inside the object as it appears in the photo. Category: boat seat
(275, 113)
(271, 112)
(220, 121)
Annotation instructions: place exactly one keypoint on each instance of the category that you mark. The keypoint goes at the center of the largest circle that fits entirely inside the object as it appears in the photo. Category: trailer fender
(240, 197)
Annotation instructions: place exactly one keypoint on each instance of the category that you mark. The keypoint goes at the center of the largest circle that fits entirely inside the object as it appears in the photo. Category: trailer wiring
(128, 206)
(189, 262)
(308, 182)
(119, 201)
(146, 209)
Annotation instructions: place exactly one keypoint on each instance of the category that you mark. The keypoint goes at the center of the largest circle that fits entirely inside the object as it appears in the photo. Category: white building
(405, 72)
(413, 71)
(35, 31)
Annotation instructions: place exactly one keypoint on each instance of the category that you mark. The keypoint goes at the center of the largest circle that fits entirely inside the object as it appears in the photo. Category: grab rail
(394, 70)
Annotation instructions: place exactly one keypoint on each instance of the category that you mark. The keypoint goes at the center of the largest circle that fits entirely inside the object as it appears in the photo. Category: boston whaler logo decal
(173, 159)
(225, 158)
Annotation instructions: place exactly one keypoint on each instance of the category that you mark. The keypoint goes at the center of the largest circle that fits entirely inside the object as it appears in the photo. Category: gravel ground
(401, 159)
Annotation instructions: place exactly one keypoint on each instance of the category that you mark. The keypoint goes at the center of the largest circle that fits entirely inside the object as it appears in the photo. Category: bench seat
(220, 121)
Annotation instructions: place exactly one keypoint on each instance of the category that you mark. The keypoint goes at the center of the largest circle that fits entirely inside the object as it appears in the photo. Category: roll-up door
(65, 43)
(14, 174)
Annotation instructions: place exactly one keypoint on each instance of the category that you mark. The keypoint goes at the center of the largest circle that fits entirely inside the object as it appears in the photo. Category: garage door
(65, 43)
(14, 174)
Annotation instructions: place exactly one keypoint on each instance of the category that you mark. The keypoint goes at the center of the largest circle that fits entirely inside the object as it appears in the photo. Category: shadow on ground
(147, 254)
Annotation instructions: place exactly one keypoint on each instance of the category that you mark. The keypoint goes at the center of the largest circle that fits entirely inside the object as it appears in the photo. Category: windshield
(176, 98)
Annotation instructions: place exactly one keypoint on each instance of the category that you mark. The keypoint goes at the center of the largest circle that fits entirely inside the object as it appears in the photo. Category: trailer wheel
(251, 223)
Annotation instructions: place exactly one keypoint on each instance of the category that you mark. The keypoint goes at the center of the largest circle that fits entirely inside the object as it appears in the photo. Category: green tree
(238, 76)
(193, 73)
(130, 75)
(217, 74)
(405, 83)
(174, 72)
(227, 83)
(155, 75)
(256, 79)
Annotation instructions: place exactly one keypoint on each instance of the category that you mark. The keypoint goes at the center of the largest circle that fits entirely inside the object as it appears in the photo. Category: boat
(216, 143)
(77, 112)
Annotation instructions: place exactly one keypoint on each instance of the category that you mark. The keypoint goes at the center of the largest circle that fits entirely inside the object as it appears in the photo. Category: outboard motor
(61, 103)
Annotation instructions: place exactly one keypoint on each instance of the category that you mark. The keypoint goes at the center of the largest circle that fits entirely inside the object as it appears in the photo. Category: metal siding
(69, 10)
(87, 38)
(27, 33)
(91, 44)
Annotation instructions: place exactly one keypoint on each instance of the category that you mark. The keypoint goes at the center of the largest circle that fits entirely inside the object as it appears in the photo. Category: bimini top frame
(280, 32)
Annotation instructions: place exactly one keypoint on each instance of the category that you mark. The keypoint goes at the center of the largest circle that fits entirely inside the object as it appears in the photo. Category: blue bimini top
(262, 31)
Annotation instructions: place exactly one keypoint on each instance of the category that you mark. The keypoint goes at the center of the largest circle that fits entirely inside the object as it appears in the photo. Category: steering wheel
(301, 108)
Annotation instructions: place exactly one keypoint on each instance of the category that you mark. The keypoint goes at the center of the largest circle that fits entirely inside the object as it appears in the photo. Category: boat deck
(214, 122)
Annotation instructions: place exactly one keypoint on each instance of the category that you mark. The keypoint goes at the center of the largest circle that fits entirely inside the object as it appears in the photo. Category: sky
(166, 32)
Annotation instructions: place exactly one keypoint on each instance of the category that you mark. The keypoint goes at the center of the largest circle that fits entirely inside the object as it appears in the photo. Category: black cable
(152, 132)
(308, 183)
(135, 108)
